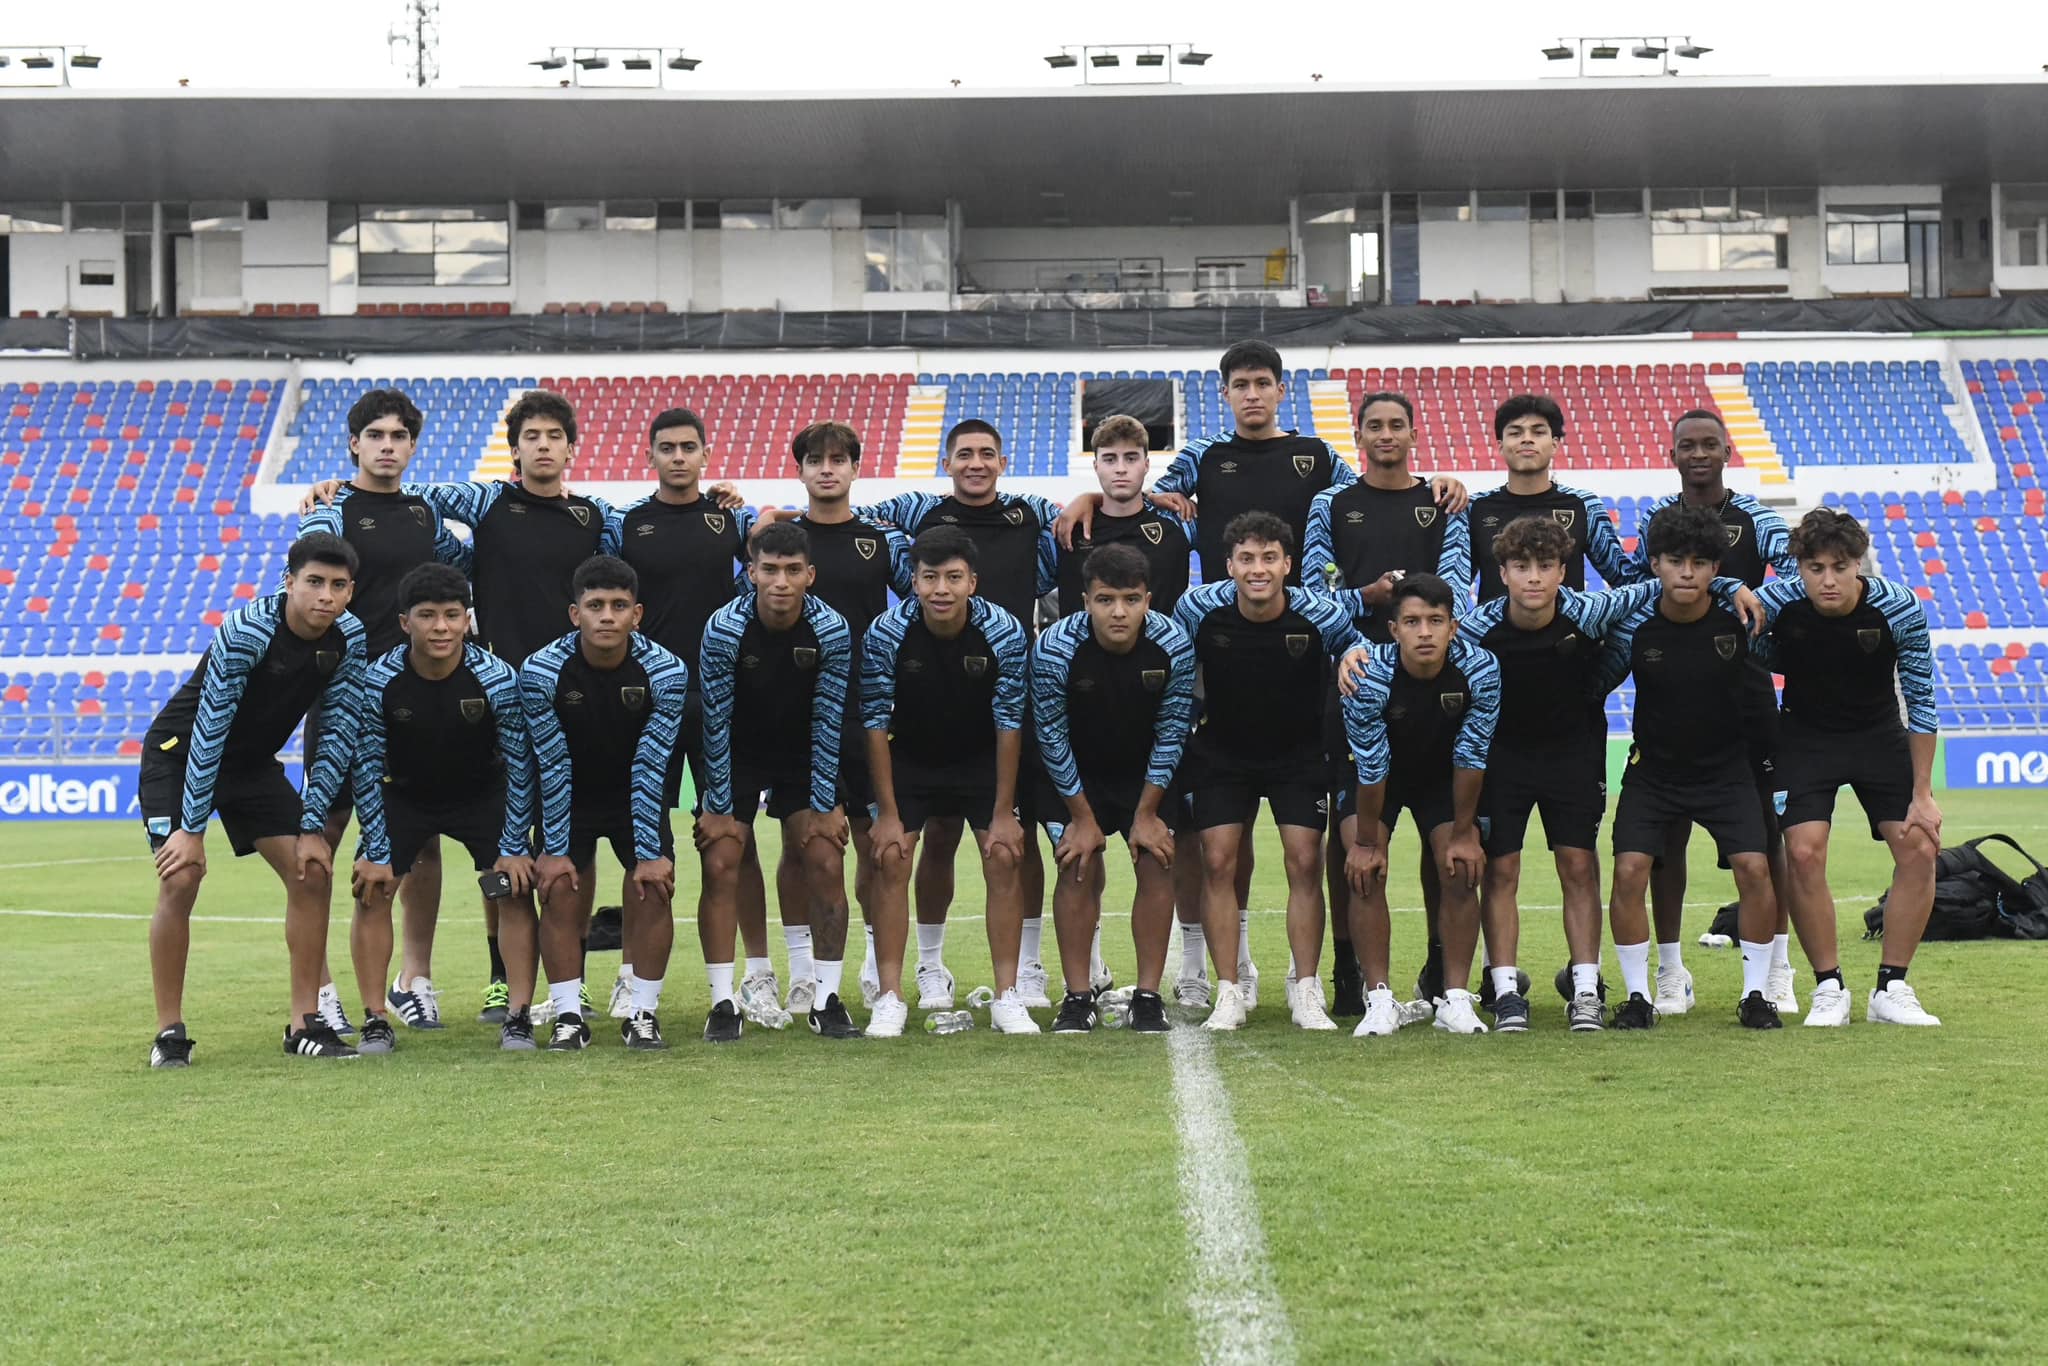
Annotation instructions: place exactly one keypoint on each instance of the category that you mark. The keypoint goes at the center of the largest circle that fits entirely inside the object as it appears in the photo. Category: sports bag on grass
(1976, 899)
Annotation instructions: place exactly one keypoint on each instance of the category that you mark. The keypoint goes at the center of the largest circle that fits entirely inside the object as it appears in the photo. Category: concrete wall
(43, 269)
(284, 257)
(997, 258)
(1476, 260)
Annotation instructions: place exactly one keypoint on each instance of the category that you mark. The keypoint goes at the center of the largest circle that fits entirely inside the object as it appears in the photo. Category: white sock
(1585, 979)
(1034, 935)
(1244, 941)
(327, 989)
(827, 976)
(869, 967)
(646, 994)
(1486, 958)
(720, 977)
(567, 996)
(798, 939)
(1756, 967)
(1670, 957)
(931, 945)
(1194, 951)
(1781, 950)
(626, 973)
(1505, 981)
(759, 967)
(1635, 968)
(1095, 946)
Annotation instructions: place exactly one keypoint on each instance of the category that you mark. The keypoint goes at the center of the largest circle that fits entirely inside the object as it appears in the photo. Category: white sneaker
(331, 1012)
(870, 985)
(1414, 1012)
(1305, 999)
(1229, 1011)
(886, 1018)
(1829, 1007)
(1248, 983)
(1032, 984)
(1192, 993)
(1382, 1016)
(1897, 1004)
(1674, 991)
(1007, 1015)
(934, 987)
(760, 1000)
(1456, 1016)
(1778, 989)
(622, 998)
(803, 994)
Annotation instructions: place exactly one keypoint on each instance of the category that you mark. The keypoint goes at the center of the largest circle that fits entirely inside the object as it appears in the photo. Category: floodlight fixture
(1194, 58)
(554, 63)
(39, 62)
(1151, 59)
(1690, 50)
(85, 61)
(1061, 61)
(637, 63)
(1102, 59)
(1560, 53)
(1603, 52)
(1649, 51)
(594, 62)
(681, 63)
(6, 60)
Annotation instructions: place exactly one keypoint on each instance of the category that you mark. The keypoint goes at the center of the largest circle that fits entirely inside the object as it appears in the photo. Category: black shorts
(1227, 792)
(856, 780)
(616, 829)
(1428, 804)
(1115, 804)
(1568, 785)
(787, 794)
(689, 750)
(1725, 801)
(344, 798)
(1813, 766)
(1337, 747)
(476, 825)
(926, 794)
(252, 803)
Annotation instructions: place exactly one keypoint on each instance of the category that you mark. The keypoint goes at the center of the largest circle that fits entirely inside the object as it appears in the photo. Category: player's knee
(180, 887)
(1752, 873)
(1303, 863)
(1504, 872)
(824, 862)
(1578, 868)
(1219, 861)
(1806, 849)
(722, 861)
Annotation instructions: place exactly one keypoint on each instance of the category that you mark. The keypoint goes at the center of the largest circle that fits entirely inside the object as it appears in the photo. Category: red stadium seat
(1976, 621)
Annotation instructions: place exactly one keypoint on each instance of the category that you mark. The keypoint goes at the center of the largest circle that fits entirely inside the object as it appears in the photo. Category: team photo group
(1262, 623)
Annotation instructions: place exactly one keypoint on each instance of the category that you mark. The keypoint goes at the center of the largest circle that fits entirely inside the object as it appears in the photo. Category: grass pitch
(1695, 1193)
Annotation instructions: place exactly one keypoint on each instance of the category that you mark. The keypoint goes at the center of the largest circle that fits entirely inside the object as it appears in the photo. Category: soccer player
(1842, 642)
(1265, 651)
(1756, 544)
(1696, 703)
(1374, 531)
(690, 552)
(775, 665)
(858, 563)
(1114, 692)
(213, 748)
(1419, 726)
(1530, 428)
(442, 751)
(1125, 517)
(942, 701)
(528, 537)
(1014, 546)
(1549, 749)
(393, 532)
(603, 705)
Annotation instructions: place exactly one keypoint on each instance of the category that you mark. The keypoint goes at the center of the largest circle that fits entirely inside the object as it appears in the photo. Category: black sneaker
(1429, 983)
(172, 1048)
(1586, 1015)
(829, 1020)
(1511, 1014)
(497, 999)
(1756, 1012)
(1563, 983)
(571, 1034)
(642, 1033)
(722, 1025)
(1077, 1014)
(516, 1034)
(1486, 997)
(1348, 992)
(1148, 1013)
(316, 1039)
(377, 1036)
(1636, 1013)
(607, 930)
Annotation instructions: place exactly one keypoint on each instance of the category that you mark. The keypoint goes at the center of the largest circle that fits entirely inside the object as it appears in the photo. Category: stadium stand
(1821, 413)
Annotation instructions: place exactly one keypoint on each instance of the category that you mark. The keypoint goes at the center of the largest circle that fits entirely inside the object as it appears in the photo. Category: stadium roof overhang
(1105, 155)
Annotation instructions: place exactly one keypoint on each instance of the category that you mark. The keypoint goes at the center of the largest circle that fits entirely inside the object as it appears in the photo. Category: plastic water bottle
(949, 1022)
(1114, 1014)
(1333, 579)
(981, 998)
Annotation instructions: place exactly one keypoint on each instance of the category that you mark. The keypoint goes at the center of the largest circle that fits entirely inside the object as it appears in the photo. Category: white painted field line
(1238, 1314)
(127, 915)
(68, 862)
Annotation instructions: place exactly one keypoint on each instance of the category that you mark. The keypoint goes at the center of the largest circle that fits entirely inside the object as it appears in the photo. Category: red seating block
(1894, 512)
(1976, 621)
(1924, 593)
(211, 617)
(1953, 498)
(245, 591)
(6, 578)
(94, 679)
(210, 563)
(1987, 525)
(223, 386)
(15, 693)
(2015, 651)
(38, 605)
(133, 591)
(131, 749)
(1925, 540)
(107, 632)
(1935, 568)
(99, 562)
(1999, 667)
(148, 521)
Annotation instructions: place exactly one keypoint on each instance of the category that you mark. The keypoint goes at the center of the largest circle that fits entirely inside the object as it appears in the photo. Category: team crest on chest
(1868, 638)
(975, 666)
(1734, 535)
(1425, 517)
(1568, 644)
(1297, 646)
(326, 661)
(806, 656)
(473, 709)
(1153, 532)
(633, 699)
(1453, 703)
(864, 546)
(421, 515)
(716, 521)
(1014, 516)
(1153, 679)
(1565, 517)
(1724, 646)
(401, 714)
(580, 513)
(1304, 465)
